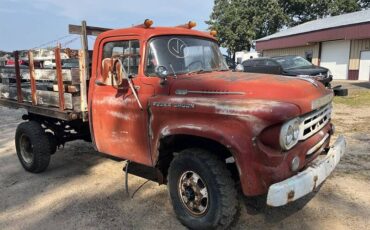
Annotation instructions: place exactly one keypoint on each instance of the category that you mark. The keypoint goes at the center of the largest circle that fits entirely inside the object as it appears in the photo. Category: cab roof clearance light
(147, 24)
(189, 25)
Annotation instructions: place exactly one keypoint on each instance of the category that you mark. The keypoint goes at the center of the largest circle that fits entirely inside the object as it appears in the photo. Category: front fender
(230, 136)
(234, 123)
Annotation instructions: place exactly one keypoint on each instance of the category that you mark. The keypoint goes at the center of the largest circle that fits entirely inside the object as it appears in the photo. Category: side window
(127, 51)
(151, 63)
(248, 63)
(271, 63)
(308, 55)
(259, 63)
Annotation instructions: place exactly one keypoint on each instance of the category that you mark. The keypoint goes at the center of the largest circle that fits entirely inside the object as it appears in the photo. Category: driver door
(119, 124)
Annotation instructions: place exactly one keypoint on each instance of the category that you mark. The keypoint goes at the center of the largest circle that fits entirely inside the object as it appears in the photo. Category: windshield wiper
(173, 70)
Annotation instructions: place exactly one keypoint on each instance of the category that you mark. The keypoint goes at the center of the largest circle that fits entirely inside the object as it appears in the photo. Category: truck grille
(314, 121)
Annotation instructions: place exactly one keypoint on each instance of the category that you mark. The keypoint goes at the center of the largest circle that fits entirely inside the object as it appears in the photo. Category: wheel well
(63, 131)
(173, 144)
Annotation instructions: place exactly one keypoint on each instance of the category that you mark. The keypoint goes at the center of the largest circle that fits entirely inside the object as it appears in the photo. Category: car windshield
(290, 62)
(184, 54)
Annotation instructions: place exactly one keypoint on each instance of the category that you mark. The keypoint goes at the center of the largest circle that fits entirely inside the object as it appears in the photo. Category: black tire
(222, 203)
(340, 92)
(52, 142)
(33, 146)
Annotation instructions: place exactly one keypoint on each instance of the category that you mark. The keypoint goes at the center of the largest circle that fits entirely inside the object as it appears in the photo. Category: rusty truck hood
(237, 85)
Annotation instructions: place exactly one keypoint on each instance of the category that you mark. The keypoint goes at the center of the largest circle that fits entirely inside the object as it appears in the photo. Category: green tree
(300, 11)
(239, 22)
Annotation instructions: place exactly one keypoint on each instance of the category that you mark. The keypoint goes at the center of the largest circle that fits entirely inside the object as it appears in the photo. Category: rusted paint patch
(119, 115)
(231, 107)
(290, 196)
(315, 178)
(113, 101)
(151, 118)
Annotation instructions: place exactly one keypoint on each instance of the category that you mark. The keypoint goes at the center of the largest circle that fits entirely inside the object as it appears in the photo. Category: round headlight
(289, 134)
(296, 130)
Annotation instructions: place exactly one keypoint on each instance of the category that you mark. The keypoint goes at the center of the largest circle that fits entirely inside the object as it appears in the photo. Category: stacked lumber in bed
(46, 90)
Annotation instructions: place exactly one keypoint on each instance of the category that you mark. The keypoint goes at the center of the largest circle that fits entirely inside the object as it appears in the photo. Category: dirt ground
(83, 190)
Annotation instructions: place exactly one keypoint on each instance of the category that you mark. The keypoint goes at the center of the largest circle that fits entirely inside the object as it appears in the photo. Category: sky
(27, 24)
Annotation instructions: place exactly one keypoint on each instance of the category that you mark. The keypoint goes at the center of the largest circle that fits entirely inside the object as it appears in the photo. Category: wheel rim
(193, 193)
(26, 149)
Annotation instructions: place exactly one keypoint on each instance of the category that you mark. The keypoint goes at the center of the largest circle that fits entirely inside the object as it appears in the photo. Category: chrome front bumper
(293, 188)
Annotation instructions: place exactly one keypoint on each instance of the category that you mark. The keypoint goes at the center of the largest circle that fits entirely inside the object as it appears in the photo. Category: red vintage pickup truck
(163, 98)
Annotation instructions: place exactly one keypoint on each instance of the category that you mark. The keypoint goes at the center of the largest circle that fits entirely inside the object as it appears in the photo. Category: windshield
(184, 54)
(290, 62)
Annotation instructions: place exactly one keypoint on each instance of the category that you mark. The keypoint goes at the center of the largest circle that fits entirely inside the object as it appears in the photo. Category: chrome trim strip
(318, 145)
(185, 92)
(326, 111)
(317, 119)
(319, 102)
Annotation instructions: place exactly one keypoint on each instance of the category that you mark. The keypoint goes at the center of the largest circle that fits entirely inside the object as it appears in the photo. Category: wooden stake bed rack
(59, 93)
(66, 115)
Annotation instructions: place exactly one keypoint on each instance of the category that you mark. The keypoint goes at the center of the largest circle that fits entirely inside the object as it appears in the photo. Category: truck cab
(164, 98)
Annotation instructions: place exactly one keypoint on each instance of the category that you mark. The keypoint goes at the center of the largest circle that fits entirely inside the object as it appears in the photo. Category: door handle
(100, 83)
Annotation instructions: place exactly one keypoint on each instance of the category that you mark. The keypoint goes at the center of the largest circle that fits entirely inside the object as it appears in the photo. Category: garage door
(364, 73)
(335, 56)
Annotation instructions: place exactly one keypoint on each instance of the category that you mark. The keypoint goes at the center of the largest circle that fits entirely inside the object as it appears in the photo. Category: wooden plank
(66, 115)
(90, 30)
(75, 73)
(83, 84)
(69, 75)
(76, 101)
(7, 81)
(32, 78)
(73, 88)
(85, 49)
(46, 98)
(67, 88)
(58, 70)
(18, 77)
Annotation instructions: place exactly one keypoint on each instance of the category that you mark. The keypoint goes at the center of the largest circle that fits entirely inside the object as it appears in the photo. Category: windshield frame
(170, 72)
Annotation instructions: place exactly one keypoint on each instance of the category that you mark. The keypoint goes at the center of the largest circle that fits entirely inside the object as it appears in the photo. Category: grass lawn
(356, 98)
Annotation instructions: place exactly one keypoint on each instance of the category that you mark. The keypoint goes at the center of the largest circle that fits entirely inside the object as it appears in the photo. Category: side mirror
(117, 73)
(239, 68)
(161, 72)
(111, 73)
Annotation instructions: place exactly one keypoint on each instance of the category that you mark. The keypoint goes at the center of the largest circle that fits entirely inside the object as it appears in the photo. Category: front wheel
(202, 191)
(33, 146)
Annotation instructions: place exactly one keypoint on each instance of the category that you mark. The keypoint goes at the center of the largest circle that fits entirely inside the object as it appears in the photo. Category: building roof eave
(357, 31)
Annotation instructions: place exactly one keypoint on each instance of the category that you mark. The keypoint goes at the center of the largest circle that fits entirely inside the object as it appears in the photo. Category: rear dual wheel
(34, 146)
